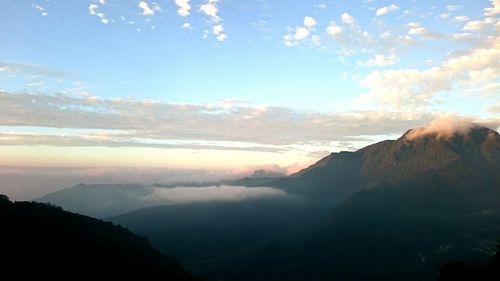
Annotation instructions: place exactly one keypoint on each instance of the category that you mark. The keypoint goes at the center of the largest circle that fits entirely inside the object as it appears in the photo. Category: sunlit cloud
(386, 9)
(163, 120)
(148, 9)
(184, 7)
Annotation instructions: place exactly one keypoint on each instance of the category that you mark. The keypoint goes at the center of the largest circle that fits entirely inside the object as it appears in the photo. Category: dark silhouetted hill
(210, 237)
(461, 271)
(47, 243)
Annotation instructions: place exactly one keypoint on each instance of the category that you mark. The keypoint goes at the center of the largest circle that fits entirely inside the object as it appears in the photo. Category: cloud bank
(444, 127)
(223, 193)
(125, 122)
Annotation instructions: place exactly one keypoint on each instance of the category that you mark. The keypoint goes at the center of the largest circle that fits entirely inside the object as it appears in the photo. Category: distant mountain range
(44, 242)
(106, 200)
(395, 210)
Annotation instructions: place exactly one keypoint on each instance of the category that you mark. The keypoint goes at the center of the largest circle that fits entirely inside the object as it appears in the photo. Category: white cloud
(386, 9)
(461, 18)
(416, 28)
(93, 11)
(210, 9)
(42, 10)
(452, 8)
(309, 22)
(148, 10)
(31, 70)
(333, 29)
(443, 16)
(494, 10)
(348, 19)
(443, 127)
(221, 37)
(186, 25)
(321, 6)
(301, 33)
(316, 39)
(184, 195)
(413, 88)
(381, 60)
(228, 126)
(461, 36)
(217, 29)
(184, 7)
(476, 25)
(386, 35)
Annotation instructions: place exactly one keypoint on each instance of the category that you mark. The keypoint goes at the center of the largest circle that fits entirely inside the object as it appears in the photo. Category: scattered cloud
(17, 68)
(211, 9)
(347, 19)
(334, 30)
(443, 16)
(476, 25)
(321, 6)
(147, 9)
(303, 33)
(184, 7)
(386, 9)
(93, 11)
(416, 28)
(461, 18)
(309, 22)
(186, 25)
(41, 9)
(218, 31)
(414, 88)
(494, 10)
(453, 8)
(381, 60)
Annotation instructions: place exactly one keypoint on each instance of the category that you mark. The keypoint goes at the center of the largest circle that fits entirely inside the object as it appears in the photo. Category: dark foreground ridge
(42, 241)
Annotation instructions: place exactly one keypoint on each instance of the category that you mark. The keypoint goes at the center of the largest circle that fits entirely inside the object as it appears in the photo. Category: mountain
(462, 158)
(266, 174)
(395, 210)
(42, 241)
(100, 200)
(208, 237)
(460, 271)
(420, 202)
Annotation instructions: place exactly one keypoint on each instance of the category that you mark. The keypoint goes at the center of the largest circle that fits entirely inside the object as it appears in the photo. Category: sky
(226, 84)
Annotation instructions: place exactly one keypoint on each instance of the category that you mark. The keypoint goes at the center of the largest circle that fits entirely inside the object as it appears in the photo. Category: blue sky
(236, 82)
